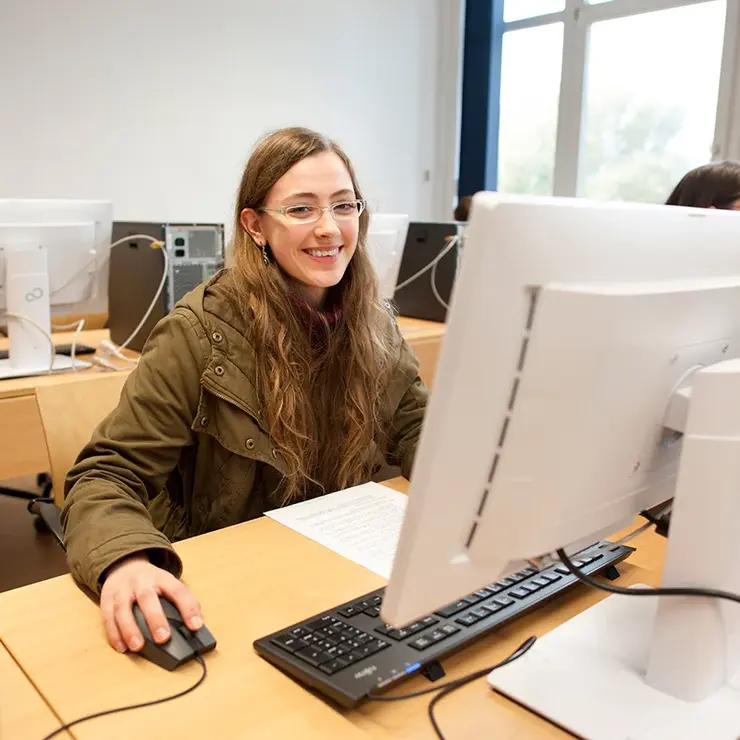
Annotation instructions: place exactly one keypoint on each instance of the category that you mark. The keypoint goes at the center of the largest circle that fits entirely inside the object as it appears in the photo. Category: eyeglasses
(344, 210)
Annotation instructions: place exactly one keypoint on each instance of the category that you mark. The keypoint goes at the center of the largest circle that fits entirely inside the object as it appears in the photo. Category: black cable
(668, 591)
(202, 678)
(447, 688)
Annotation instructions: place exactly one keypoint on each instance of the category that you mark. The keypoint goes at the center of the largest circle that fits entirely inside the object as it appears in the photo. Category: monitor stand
(62, 363)
(29, 316)
(650, 668)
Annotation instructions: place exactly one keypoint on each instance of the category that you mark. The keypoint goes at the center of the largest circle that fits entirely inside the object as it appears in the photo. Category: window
(516, 10)
(650, 118)
(609, 99)
(529, 109)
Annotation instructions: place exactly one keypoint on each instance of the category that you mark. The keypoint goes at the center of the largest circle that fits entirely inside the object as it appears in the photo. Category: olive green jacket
(187, 450)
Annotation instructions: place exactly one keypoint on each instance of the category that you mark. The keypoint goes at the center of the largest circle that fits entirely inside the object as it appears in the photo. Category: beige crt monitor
(576, 333)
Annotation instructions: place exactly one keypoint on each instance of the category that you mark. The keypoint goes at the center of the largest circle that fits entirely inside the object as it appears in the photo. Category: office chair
(70, 413)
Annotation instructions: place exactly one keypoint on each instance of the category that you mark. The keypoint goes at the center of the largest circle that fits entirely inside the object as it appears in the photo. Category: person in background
(462, 210)
(714, 185)
(282, 378)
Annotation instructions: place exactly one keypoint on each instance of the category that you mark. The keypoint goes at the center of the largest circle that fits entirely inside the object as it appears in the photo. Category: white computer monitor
(53, 260)
(386, 238)
(576, 330)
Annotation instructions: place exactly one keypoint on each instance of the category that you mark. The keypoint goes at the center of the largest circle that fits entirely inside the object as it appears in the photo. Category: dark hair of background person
(715, 185)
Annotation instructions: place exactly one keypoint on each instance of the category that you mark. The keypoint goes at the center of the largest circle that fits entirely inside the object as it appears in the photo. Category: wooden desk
(22, 445)
(24, 715)
(425, 338)
(252, 579)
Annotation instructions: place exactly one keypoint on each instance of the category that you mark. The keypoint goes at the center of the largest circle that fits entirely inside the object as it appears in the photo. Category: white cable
(46, 334)
(439, 298)
(450, 245)
(148, 313)
(64, 327)
(433, 277)
(75, 338)
(110, 349)
(95, 259)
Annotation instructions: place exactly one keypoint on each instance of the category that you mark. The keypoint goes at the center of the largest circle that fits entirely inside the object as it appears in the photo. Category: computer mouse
(183, 644)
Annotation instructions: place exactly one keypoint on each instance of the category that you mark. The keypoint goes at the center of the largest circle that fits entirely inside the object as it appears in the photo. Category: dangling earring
(265, 258)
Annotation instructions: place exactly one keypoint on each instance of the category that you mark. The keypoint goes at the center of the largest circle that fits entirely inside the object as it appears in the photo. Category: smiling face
(314, 256)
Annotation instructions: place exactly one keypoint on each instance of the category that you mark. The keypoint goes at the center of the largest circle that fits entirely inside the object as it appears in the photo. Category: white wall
(155, 104)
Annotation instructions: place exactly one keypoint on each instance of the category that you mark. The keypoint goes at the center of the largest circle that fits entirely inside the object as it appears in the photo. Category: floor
(27, 555)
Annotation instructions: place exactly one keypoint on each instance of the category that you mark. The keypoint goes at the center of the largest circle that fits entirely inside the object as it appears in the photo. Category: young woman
(715, 185)
(284, 377)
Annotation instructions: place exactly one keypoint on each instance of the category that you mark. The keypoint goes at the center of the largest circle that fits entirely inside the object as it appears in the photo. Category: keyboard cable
(447, 688)
(663, 591)
(152, 703)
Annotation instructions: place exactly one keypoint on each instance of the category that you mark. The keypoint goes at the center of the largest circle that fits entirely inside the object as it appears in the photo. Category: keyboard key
(288, 643)
(364, 638)
(468, 619)
(520, 593)
(529, 587)
(400, 634)
(344, 648)
(318, 624)
(376, 600)
(372, 611)
(541, 582)
(377, 645)
(562, 569)
(415, 627)
(473, 599)
(429, 621)
(480, 612)
(312, 656)
(363, 651)
(585, 559)
(551, 577)
(421, 643)
(384, 629)
(348, 611)
(298, 632)
(505, 582)
(333, 666)
(354, 656)
(504, 600)
(484, 593)
(597, 556)
(449, 629)
(452, 609)
(516, 577)
(528, 572)
(579, 563)
(492, 606)
(494, 588)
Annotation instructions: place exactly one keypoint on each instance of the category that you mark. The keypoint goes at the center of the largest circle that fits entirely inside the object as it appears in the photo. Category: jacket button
(203, 421)
(219, 370)
(249, 444)
(217, 336)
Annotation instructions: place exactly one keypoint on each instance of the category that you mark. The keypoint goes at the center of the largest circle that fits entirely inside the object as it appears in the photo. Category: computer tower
(195, 251)
(424, 242)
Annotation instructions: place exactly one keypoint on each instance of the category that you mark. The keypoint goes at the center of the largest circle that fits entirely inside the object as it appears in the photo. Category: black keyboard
(348, 651)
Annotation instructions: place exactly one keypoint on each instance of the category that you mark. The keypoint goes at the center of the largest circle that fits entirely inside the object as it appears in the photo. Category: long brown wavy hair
(323, 399)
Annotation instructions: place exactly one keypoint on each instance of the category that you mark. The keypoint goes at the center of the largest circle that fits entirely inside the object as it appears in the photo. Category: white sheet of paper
(361, 523)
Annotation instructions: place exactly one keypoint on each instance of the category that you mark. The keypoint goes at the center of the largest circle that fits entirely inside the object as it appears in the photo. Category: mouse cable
(152, 703)
(664, 591)
(447, 688)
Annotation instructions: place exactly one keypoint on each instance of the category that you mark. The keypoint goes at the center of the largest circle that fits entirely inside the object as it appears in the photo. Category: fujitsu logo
(365, 672)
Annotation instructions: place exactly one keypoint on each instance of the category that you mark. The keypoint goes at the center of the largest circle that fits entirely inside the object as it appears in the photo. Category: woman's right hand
(135, 579)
